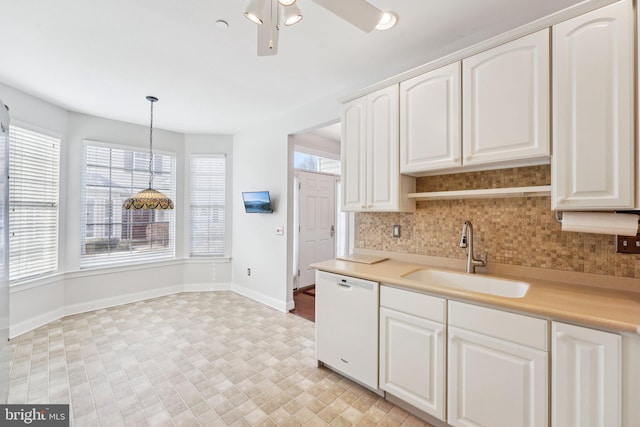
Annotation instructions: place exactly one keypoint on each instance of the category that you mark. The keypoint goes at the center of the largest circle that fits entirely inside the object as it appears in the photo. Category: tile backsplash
(516, 231)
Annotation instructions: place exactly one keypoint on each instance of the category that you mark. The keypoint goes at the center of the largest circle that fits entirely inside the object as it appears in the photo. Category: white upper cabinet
(370, 155)
(593, 101)
(354, 123)
(430, 133)
(505, 105)
(586, 377)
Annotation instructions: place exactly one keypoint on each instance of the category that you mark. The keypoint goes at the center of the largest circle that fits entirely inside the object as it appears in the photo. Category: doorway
(319, 229)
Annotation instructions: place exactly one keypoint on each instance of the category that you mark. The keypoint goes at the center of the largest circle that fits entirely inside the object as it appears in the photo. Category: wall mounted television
(257, 202)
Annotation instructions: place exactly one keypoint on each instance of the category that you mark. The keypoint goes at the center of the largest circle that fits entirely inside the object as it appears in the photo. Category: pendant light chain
(151, 148)
(149, 198)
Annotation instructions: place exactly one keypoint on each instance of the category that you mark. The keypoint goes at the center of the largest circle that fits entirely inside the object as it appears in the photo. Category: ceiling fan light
(286, 2)
(291, 15)
(388, 21)
(255, 11)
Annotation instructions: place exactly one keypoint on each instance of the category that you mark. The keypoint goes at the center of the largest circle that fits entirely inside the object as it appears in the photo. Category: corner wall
(264, 161)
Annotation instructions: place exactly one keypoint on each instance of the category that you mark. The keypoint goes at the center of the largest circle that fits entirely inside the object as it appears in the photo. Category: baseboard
(120, 300)
(25, 326)
(260, 297)
(206, 287)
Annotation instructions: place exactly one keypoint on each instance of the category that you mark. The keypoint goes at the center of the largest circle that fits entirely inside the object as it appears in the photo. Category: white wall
(263, 161)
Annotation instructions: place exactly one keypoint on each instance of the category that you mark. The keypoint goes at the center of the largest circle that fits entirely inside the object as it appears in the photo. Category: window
(313, 163)
(207, 189)
(111, 234)
(34, 171)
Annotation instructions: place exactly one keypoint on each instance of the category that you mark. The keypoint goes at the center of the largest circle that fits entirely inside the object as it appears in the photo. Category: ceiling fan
(269, 14)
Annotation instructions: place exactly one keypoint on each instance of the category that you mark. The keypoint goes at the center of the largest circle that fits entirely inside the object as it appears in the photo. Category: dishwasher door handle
(344, 285)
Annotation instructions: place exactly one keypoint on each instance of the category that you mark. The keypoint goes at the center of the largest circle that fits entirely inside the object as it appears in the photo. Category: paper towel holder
(558, 214)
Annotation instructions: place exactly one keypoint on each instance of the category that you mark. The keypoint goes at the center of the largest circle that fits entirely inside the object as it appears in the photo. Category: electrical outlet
(248, 272)
(628, 244)
(396, 230)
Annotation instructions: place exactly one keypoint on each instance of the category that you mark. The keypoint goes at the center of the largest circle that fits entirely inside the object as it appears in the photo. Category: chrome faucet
(466, 240)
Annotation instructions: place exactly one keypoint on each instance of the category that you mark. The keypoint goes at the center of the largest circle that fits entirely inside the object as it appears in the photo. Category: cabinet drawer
(516, 328)
(415, 303)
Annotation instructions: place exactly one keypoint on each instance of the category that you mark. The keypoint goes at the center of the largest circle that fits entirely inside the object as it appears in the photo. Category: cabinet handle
(561, 335)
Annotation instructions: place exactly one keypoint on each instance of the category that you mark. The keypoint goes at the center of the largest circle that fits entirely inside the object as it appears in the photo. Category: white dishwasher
(347, 326)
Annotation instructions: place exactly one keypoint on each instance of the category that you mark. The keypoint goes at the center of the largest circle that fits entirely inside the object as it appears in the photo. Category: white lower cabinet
(586, 377)
(412, 349)
(497, 368)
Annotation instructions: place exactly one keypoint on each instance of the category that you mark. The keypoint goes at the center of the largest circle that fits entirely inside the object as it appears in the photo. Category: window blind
(207, 194)
(113, 235)
(34, 171)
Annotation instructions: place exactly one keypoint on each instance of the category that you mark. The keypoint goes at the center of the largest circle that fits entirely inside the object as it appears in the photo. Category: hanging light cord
(151, 148)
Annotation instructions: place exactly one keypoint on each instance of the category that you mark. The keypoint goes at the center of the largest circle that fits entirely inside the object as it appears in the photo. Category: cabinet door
(586, 377)
(430, 134)
(494, 382)
(353, 155)
(593, 97)
(412, 360)
(506, 102)
(383, 164)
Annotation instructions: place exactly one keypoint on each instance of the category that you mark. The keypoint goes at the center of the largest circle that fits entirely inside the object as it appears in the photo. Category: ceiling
(102, 57)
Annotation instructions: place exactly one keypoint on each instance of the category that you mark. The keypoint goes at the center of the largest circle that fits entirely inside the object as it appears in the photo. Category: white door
(586, 377)
(495, 383)
(317, 222)
(593, 104)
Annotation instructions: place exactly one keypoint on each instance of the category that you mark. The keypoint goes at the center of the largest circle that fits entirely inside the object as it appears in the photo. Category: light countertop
(590, 306)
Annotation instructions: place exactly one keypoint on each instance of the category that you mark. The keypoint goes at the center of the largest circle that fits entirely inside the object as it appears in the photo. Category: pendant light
(149, 198)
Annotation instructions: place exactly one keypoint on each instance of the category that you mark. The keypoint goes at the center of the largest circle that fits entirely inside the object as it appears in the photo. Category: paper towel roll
(600, 223)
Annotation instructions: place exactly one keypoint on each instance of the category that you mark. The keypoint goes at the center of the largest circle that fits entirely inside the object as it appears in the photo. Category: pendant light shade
(149, 198)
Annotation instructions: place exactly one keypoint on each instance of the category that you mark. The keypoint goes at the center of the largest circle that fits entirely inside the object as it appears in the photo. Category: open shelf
(490, 193)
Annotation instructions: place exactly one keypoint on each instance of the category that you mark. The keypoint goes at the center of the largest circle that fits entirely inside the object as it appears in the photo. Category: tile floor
(191, 359)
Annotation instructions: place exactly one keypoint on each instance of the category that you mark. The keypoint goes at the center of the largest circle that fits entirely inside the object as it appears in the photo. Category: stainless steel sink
(470, 282)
